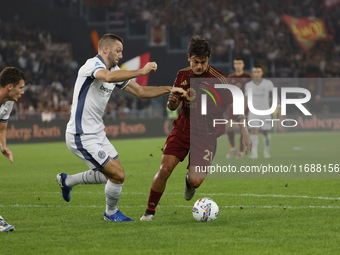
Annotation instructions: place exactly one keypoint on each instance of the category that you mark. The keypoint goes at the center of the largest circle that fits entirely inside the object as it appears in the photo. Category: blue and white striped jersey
(5, 111)
(90, 97)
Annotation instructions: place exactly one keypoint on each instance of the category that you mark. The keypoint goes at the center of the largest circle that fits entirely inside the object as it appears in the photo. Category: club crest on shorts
(101, 154)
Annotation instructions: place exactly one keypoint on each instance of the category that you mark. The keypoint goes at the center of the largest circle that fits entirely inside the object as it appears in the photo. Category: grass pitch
(257, 215)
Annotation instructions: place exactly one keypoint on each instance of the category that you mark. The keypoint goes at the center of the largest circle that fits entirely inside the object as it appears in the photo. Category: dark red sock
(231, 136)
(154, 198)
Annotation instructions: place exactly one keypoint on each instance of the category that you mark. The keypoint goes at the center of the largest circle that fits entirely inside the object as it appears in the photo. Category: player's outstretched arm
(4, 150)
(150, 92)
(123, 75)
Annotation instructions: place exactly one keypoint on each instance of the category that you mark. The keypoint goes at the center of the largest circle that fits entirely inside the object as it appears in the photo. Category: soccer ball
(205, 209)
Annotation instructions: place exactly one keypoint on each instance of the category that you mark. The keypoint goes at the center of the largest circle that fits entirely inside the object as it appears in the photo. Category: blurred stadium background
(50, 39)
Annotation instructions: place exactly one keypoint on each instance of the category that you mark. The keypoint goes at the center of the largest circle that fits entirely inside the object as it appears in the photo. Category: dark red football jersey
(239, 80)
(190, 119)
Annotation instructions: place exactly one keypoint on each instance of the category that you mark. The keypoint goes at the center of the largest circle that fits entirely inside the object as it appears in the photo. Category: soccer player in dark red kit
(239, 79)
(200, 132)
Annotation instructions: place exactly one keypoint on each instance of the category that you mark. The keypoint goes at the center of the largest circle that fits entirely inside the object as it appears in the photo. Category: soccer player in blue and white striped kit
(85, 135)
(12, 83)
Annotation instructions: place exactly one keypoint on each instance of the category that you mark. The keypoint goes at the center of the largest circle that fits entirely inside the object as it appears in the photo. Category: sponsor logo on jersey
(105, 89)
(97, 64)
(101, 154)
(191, 94)
(184, 83)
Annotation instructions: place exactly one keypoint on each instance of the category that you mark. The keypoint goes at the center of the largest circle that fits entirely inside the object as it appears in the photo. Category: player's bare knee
(120, 175)
(117, 176)
(165, 171)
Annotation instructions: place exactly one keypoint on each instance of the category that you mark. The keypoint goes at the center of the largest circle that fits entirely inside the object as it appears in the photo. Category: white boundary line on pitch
(177, 206)
(201, 194)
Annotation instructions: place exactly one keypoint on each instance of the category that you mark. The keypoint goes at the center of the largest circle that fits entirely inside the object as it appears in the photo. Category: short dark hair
(258, 66)
(11, 75)
(108, 38)
(238, 59)
(199, 47)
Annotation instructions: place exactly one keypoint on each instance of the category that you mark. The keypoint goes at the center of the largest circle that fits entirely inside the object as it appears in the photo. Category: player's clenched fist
(174, 97)
(177, 91)
(150, 66)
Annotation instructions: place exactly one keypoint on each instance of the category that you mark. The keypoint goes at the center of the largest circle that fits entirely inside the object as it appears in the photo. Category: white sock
(266, 142)
(112, 193)
(255, 140)
(87, 177)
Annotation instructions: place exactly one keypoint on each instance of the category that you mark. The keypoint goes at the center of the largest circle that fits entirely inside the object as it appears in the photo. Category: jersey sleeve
(246, 87)
(9, 107)
(91, 67)
(177, 80)
(93, 75)
(270, 85)
(120, 85)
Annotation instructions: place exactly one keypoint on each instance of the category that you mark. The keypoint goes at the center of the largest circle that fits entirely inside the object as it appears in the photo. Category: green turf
(257, 215)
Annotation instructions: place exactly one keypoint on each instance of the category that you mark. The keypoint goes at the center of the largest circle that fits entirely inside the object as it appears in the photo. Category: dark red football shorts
(202, 148)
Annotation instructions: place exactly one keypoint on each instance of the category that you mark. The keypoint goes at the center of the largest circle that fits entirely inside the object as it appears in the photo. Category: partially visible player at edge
(12, 82)
(178, 144)
(85, 135)
(239, 79)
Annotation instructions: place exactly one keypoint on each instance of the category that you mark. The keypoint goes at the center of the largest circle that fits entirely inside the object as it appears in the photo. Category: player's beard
(111, 59)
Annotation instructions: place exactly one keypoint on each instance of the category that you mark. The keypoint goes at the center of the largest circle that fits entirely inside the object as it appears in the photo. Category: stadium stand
(254, 31)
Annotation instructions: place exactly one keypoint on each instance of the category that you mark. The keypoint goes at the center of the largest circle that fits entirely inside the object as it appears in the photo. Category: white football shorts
(94, 149)
(262, 122)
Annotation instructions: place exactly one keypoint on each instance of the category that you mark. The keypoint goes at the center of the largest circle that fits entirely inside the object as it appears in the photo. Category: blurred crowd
(50, 79)
(249, 29)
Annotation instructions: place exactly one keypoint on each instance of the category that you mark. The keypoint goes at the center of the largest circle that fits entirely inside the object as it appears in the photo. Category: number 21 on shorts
(209, 155)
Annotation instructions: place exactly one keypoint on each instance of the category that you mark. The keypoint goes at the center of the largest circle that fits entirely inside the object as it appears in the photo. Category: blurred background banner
(63, 50)
(116, 20)
(34, 131)
(158, 36)
(329, 4)
(138, 63)
(307, 31)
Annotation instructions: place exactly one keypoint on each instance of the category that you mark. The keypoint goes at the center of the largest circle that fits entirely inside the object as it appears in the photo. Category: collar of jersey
(259, 83)
(101, 59)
